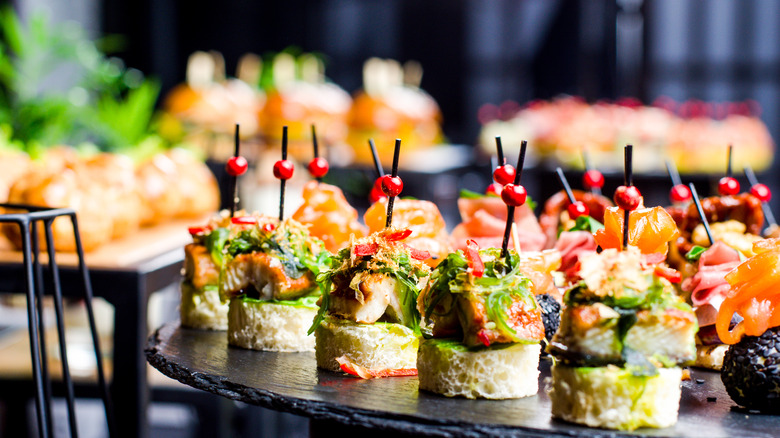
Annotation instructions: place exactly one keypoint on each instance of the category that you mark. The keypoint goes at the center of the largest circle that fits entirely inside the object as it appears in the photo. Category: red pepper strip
(398, 235)
(356, 370)
(668, 273)
(269, 227)
(475, 262)
(243, 220)
(483, 336)
(196, 230)
(418, 254)
(365, 249)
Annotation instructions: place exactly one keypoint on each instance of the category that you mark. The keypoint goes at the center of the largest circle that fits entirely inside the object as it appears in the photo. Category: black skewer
(510, 209)
(315, 146)
(499, 152)
(628, 179)
(283, 182)
(701, 213)
(674, 175)
(234, 179)
(588, 166)
(751, 176)
(377, 164)
(565, 184)
(391, 199)
(728, 164)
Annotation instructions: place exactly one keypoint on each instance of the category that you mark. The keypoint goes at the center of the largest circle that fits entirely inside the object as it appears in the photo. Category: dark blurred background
(482, 51)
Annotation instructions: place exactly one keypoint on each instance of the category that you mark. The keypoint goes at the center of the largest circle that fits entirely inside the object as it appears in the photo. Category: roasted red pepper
(196, 230)
(365, 249)
(668, 273)
(398, 235)
(243, 220)
(483, 337)
(475, 261)
(356, 370)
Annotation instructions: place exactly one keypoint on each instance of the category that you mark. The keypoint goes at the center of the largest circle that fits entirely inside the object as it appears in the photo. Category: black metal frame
(28, 223)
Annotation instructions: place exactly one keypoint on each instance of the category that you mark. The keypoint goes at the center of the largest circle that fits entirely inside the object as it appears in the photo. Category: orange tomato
(329, 215)
(429, 232)
(650, 229)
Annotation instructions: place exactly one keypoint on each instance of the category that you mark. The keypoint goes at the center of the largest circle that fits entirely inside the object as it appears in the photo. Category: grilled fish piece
(199, 268)
(523, 317)
(367, 298)
(590, 334)
(266, 274)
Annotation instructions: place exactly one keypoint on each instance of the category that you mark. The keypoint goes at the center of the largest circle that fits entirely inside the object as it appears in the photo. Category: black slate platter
(290, 382)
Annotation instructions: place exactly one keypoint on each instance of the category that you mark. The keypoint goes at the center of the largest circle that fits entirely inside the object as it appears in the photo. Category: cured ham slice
(484, 220)
(708, 287)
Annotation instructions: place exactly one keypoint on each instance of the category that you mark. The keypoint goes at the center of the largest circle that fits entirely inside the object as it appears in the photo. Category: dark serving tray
(291, 382)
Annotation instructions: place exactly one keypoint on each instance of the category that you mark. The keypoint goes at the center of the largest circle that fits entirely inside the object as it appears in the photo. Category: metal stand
(29, 224)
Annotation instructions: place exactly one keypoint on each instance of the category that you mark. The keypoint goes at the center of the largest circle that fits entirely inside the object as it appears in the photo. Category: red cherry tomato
(762, 192)
(504, 174)
(578, 209)
(376, 195)
(627, 197)
(494, 189)
(514, 195)
(593, 179)
(236, 166)
(728, 186)
(318, 167)
(243, 220)
(392, 185)
(680, 193)
(283, 169)
(475, 261)
(196, 230)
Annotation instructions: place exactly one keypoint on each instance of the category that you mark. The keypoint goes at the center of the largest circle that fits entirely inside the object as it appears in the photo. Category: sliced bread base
(449, 368)
(270, 326)
(375, 346)
(611, 397)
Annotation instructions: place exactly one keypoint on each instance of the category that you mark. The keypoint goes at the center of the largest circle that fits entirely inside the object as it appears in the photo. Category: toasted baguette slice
(710, 356)
(611, 397)
(202, 308)
(593, 331)
(447, 367)
(377, 346)
(271, 325)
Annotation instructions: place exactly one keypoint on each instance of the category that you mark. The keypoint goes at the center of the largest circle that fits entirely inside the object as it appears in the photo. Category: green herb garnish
(695, 253)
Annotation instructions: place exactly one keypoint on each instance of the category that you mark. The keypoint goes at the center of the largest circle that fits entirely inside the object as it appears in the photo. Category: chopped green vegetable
(586, 223)
(695, 253)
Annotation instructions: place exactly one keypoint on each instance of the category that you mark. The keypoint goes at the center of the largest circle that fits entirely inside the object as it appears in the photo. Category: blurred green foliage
(58, 87)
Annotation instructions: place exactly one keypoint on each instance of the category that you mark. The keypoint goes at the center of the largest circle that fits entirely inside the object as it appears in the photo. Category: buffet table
(291, 382)
(124, 273)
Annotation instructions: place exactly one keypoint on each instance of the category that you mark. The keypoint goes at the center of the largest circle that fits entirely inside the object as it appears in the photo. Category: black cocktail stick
(394, 174)
(510, 209)
(703, 218)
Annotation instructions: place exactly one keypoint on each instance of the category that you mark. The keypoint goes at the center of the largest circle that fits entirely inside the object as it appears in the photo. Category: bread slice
(202, 308)
(378, 346)
(611, 397)
(447, 367)
(271, 325)
(710, 356)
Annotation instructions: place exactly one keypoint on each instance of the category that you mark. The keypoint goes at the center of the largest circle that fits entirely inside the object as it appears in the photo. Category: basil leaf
(695, 253)
(215, 244)
(531, 203)
(586, 223)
